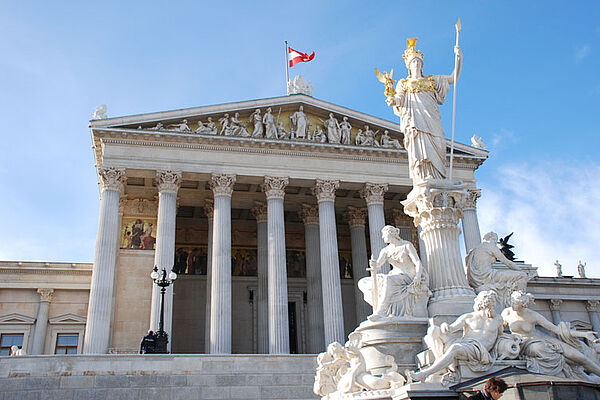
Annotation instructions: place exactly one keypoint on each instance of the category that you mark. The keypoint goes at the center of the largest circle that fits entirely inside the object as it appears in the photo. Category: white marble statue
(558, 267)
(332, 126)
(416, 101)
(346, 130)
(482, 276)
(158, 127)
(299, 86)
(402, 292)
(360, 137)
(388, 142)
(209, 129)
(281, 132)
(299, 124)
(480, 329)
(369, 137)
(99, 112)
(225, 129)
(257, 120)
(477, 142)
(180, 127)
(270, 126)
(15, 351)
(581, 269)
(560, 352)
(319, 135)
(342, 369)
(237, 127)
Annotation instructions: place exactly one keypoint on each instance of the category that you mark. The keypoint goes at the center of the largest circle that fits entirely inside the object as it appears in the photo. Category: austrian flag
(296, 57)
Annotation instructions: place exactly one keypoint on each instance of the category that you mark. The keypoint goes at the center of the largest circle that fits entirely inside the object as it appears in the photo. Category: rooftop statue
(482, 276)
(299, 86)
(209, 129)
(402, 292)
(99, 112)
(558, 269)
(506, 247)
(333, 129)
(477, 142)
(581, 269)
(416, 101)
(557, 353)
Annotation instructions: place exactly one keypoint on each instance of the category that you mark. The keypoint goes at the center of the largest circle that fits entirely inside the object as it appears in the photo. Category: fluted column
(260, 213)
(279, 333)
(471, 233)
(314, 297)
(592, 309)
(555, 310)
(373, 195)
(41, 321)
(101, 303)
(437, 211)
(220, 294)
(208, 210)
(333, 315)
(168, 184)
(360, 260)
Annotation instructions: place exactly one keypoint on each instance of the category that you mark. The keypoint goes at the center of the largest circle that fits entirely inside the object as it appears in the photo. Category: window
(66, 343)
(10, 339)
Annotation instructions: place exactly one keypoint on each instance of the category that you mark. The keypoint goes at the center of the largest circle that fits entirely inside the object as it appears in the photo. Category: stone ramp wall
(157, 377)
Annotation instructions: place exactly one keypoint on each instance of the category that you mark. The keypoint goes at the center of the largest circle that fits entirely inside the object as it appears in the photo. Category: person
(494, 389)
(416, 101)
(482, 276)
(559, 353)
(148, 345)
(402, 291)
(480, 330)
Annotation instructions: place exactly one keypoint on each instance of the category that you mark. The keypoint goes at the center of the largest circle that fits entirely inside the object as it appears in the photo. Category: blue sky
(530, 88)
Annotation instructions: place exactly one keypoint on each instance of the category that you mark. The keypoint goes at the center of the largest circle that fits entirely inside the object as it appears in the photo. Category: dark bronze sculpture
(505, 247)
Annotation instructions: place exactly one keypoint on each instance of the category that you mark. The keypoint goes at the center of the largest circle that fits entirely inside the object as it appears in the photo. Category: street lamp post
(160, 279)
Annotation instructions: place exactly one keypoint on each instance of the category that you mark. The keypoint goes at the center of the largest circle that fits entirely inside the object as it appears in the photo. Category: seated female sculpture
(562, 354)
(402, 292)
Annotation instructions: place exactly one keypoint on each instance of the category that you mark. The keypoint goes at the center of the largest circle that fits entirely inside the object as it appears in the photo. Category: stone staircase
(157, 377)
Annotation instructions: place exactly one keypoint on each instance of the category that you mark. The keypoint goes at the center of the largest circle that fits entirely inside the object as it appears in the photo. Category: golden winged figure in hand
(386, 79)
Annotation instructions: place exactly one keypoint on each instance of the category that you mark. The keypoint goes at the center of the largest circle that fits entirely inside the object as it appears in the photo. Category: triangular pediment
(67, 319)
(15, 318)
(195, 121)
(581, 325)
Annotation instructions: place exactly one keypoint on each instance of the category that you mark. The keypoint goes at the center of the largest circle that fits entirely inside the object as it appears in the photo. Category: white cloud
(582, 52)
(553, 209)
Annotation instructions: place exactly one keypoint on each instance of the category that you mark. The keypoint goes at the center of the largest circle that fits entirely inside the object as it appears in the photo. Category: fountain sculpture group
(469, 321)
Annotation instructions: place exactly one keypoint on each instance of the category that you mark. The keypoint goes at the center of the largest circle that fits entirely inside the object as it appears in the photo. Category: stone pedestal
(101, 303)
(437, 210)
(397, 337)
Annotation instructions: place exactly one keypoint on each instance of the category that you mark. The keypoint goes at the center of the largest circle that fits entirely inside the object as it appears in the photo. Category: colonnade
(324, 298)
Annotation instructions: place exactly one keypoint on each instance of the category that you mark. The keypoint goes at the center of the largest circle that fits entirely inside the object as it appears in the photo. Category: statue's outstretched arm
(459, 323)
(458, 67)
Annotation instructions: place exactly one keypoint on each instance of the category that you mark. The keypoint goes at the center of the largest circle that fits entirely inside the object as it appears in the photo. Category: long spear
(458, 27)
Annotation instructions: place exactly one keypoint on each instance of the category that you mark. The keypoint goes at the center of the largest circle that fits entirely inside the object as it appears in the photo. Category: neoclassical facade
(268, 211)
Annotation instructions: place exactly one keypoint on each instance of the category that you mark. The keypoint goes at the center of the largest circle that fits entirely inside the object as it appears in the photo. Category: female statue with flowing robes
(559, 353)
(402, 292)
(416, 103)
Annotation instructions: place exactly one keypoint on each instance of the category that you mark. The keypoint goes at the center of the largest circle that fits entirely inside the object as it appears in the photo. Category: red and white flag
(296, 57)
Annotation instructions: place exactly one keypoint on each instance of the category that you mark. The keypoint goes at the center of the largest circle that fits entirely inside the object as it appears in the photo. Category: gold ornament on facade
(411, 52)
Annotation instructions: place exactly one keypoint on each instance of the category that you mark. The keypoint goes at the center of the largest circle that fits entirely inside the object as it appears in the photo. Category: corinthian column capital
(209, 208)
(46, 294)
(168, 181)
(260, 211)
(555, 304)
(221, 184)
(274, 187)
(401, 219)
(373, 193)
(356, 216)
(111, 178)
(309, 214)
(325, 190)
(592, 305)
(470, 201)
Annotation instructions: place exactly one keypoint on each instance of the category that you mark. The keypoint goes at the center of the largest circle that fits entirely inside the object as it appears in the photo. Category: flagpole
(287, 65)
(458, 26)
